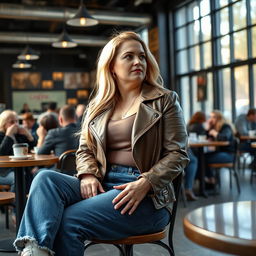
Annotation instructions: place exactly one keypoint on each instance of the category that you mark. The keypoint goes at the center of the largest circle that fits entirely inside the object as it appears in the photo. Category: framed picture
(26, 80)
(76, 80)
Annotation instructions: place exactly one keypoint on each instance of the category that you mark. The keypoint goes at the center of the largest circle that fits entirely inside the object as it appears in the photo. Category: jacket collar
(150, 92)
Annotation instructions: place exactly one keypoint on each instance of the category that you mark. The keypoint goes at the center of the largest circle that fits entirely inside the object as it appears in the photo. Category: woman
(132, 145)
(10, 133)
(196, 123)
(219, 129)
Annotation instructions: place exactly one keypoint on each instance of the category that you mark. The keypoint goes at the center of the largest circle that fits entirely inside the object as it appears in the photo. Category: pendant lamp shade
(21, 64)
(82, 18)
(28, 54)
(64, 41)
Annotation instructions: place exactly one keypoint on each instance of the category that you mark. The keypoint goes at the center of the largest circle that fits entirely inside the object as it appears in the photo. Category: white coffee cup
(192, 136)
(36, 150)
(20, 149)
(202, 137)
(252, 133)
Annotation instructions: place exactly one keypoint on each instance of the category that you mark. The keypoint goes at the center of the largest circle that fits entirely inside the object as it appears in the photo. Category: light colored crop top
(119, 149)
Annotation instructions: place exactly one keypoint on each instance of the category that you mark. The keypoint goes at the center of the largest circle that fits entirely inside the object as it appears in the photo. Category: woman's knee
(45, 176)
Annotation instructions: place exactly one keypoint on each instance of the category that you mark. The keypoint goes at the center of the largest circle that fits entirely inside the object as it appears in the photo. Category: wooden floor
(182, 246)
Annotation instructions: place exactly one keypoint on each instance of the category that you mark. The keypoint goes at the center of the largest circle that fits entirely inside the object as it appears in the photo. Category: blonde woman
(10, 133)
(132, 145)
(219, 129)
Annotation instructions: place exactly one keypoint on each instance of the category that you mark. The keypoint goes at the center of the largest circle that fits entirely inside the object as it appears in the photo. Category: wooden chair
(125, 245)
(231, 166)
(7, 199)
(67, 162)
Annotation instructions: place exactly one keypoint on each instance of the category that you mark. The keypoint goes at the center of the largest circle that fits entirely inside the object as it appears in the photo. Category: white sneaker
(31, 249)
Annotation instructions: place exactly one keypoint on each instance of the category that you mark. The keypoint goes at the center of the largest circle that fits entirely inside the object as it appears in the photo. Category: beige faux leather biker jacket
(159, 141)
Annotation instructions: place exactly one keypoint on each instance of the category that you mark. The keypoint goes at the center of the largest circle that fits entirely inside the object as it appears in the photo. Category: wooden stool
(6, 199)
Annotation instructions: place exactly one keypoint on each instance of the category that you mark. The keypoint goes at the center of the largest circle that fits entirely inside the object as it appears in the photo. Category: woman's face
(212, 120)
(130, 64)
(12, 119)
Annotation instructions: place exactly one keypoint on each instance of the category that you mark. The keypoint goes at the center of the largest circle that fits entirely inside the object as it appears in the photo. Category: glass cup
(20, 149)
(252, 133)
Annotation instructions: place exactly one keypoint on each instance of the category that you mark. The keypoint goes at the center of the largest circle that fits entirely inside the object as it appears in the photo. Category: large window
(218, 38)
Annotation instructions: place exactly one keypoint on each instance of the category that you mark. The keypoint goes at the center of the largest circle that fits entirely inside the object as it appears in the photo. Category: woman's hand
(213, 133)
(11, 130)
(90, 186)
(26, 133)
(132, 195)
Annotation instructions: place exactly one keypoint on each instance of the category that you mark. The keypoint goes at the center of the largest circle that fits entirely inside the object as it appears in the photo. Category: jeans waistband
(123, 169)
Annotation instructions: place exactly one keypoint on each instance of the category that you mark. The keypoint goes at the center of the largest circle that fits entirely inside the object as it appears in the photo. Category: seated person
(11, 133)
(30, 124)
(219, 129)
(196, 123)
(243, 124)
(80, 112)
(62, 138)
(190, 174)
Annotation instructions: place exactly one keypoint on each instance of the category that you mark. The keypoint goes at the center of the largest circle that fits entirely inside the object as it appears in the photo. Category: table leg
(201, 160)
(20, 194)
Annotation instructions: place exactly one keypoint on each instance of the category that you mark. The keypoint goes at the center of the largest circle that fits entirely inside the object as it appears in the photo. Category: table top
(227, 227)
(34, 160)
(247, 137)
(204, 143)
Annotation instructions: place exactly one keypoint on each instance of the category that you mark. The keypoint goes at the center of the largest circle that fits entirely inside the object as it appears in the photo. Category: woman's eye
(128, 56)
(142, 57)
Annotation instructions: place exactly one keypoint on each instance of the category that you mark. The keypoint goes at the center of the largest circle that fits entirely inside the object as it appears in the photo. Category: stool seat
(5, 187)
(140, 239)
(221, 165)
(6, 197)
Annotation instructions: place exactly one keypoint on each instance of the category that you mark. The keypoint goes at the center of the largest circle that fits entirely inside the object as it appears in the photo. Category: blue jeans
(59, 220)
(217, 157)
(190, 170)
(8, 180)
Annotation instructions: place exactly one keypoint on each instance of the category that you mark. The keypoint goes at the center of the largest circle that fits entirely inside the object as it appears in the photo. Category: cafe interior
(206, 52)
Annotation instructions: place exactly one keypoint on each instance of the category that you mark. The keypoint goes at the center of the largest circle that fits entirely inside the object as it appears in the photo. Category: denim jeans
(8, 180)
(190, 170)
(217, 157)
(59, 220)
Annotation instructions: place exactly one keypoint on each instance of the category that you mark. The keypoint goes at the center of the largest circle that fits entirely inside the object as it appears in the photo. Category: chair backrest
(67, 162)
(177, 185)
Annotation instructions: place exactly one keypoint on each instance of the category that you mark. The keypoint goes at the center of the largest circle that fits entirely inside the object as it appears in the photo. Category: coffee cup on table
(20, 149)
(252, 133)
(202, 137)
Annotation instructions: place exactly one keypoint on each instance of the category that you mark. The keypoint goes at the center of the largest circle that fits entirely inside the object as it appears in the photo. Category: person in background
(132, 145)
(196, 123)
(190, 174)
(51, 109)
(47, 122)
(244, 123)
(219, 130)
(62, 138)
(11, 133)
(25, 108)
(79, 112)
(30, 124)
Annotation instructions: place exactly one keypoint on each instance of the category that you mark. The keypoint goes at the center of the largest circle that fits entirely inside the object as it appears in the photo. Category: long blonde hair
(221, 120)
(105, 93)
(4, 116)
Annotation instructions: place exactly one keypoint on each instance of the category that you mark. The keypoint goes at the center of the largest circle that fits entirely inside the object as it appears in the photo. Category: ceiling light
(64, 41)
(28, 54)
(21, 64)
(82, 18)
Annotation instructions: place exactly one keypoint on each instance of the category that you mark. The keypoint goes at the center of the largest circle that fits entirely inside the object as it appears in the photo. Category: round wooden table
(201, 159)
(226, 227)
(20, 193)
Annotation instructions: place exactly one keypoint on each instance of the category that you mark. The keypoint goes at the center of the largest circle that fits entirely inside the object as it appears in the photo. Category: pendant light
(22, 64)
(64, 41)
(82, 18)
(28, 54)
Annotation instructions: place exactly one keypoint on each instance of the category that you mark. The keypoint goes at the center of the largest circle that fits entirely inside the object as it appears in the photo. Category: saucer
(20, 157)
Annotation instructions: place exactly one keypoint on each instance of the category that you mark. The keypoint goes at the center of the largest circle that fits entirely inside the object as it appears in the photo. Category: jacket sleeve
(6, 145)
(174, 157)
(86, 162)
(48, 144)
